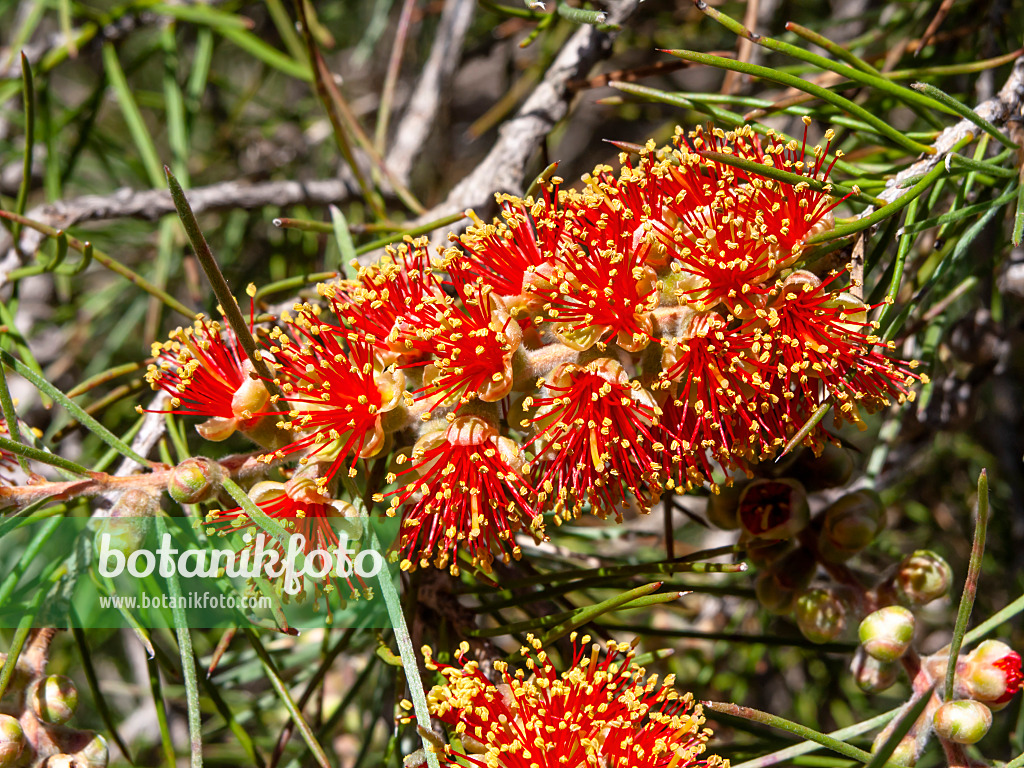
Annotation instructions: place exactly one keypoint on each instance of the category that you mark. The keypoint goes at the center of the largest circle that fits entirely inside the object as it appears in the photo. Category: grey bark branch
(151, 204)
(997, 110)
(505, 166)
(434, 82)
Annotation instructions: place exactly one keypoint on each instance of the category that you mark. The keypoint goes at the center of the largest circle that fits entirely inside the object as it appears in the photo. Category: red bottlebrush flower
(502, 254)
(713, 379)
(595, 439)
(300, 508)
(991, 673)
(380, 305)
(598, 286)
(207, 373)
(336, 391)
(600, 713)
(738, 228)
(815, 346)
(471, 343)
(467, 495)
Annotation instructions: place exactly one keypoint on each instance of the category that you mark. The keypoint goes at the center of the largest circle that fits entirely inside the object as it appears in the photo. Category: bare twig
(152, 204)
(433, 84)
(505, 167)
(997, 110)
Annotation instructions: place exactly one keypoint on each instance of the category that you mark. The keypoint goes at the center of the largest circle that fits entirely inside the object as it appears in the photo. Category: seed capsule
(773, 509)
(887, 633)
(849, 525)
(53, 699)
(964, 721)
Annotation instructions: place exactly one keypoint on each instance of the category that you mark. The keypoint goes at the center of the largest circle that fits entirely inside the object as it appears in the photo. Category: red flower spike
(503, 253)
(595, 439)
(471, 343)
(336, 391)
(207, 373)
(715, 403)
(814, 341)
(300, 508)
(467, 496)
(599, 285)
(603, 712)
(379, 305)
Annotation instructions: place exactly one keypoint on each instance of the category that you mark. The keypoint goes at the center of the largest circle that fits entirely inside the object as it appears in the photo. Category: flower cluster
(584, 351)
(603, 711)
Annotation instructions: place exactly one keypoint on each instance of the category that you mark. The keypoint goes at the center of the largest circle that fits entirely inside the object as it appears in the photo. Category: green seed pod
(773, 509)
(887, 633)
(872, 675)
(53, 699)
(964, 721)
(194, 480)
(723, 507)
(820, 614)
(849, 525)
(922, 577)
(12, 741)
(832, 469)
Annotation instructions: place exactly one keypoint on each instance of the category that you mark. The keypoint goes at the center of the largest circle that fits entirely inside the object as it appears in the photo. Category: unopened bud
(964, 721)
(723, 507)
(53, 699)
(130, 520)
(194, 480)
(820, 614)
(12, 741)
(777, 586)
(887, 633)
(923, 577)
(90, 750)
(906, 752)
(849, 525)
(773, 509)
(832, 469)
(872, 675)
(991, 673)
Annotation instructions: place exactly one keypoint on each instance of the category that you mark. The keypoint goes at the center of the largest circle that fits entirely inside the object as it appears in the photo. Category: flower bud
(820, 614)
(194, 480)
(53, 699)
(723, 507)
(887, 633)
(906, 752)
(849, 525)
(872, 675)
(93, 753)
(777, 587)
(832, 469)
(130, 519)
(991, 673)
(12, 741)
(923, 577)
(964, 721)
(764, 552)
(773, 509)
